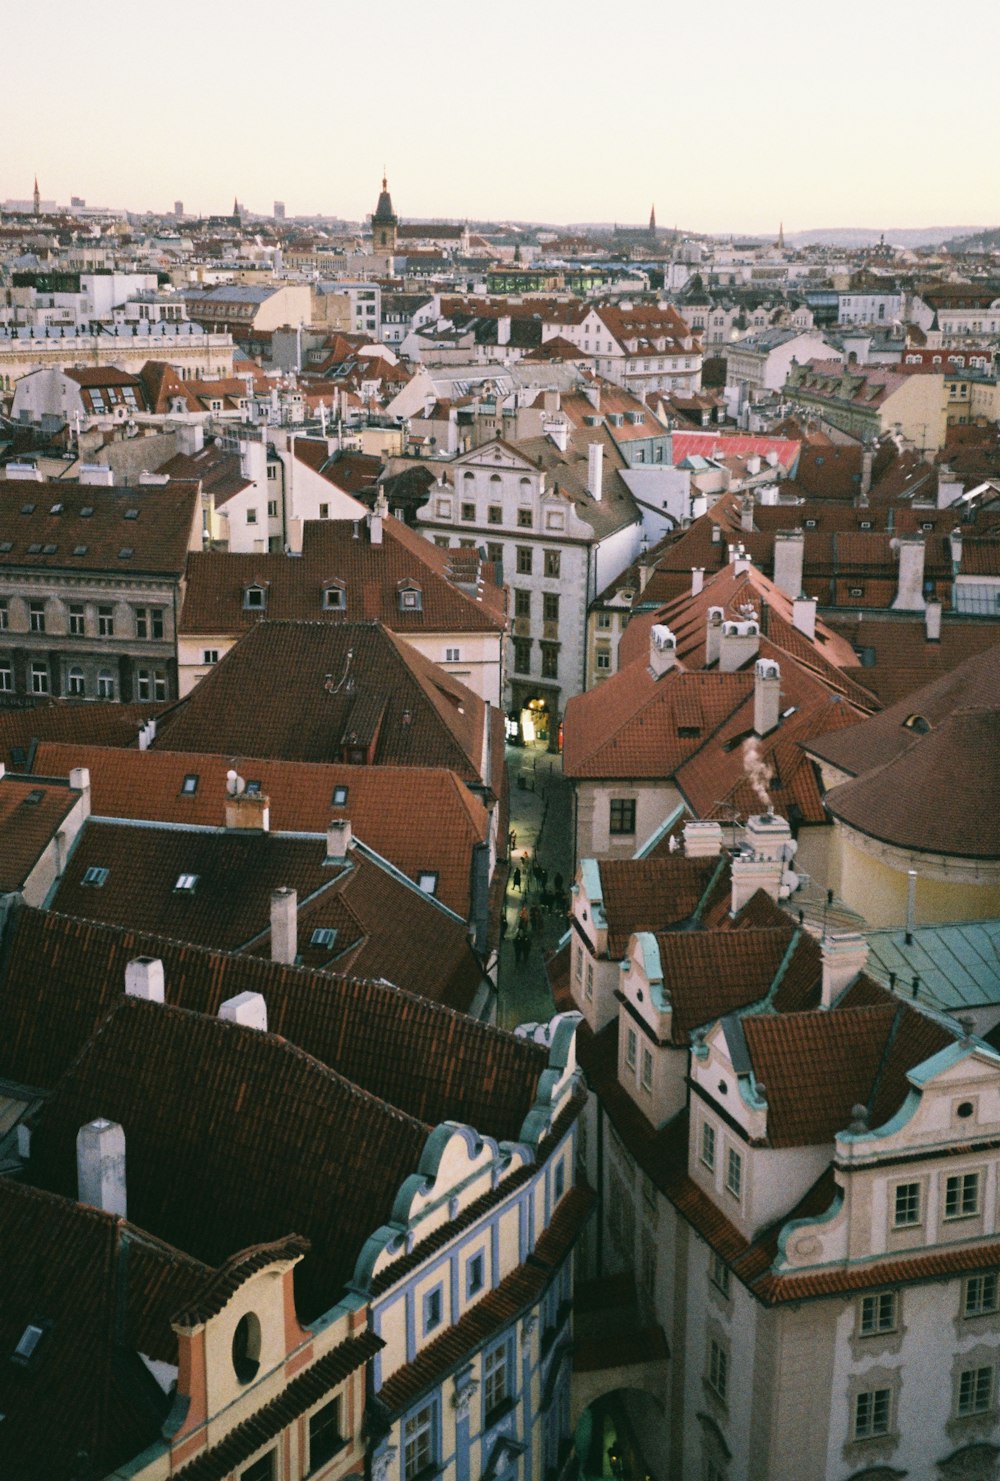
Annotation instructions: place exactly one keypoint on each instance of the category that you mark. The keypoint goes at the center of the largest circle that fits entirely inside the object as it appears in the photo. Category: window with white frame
(872, 1413)
(495, 1380)
(734, 1172)
(418, 1442)
(105, 684)
(646, 1077)
(6, 676)
(878, 1314)
(906, 1205)
(975, 1391)
(39, 678)
(718, 1368)
(631, 1048)
(590, 980)
(75, 682)
(718, 1273)
(961, 1196)
(707, 1151)
(979, 1297)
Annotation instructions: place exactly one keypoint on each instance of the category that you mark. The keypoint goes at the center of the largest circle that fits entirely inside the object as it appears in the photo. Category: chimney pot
(144, 979)
(766, 696)
(284, 925)
(247, 1008)
(100, 1166)
(662, 649)
(339, 839)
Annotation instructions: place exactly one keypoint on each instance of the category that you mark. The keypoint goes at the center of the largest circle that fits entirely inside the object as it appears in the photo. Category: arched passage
(606, 1434)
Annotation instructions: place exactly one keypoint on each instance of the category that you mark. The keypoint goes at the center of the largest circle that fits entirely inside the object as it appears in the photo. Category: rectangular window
(550, 606)
(975, 1391)
(261, 1470)
(156, 623)
(906, 1209)
(251, 516)
(707, 1153)
(646, 1079)
(980, 1296)
(604, 619)
(190, 784)
(718, 1273)
(6, 677)
(718, 1368)
(550, 660)
(452, 655)
(522, 655)
(418, 1442)
(39, 679)
(495, 1380)
(324, 511)
(590, 980)
(524, 519)
(141, 622)
(961, 1196)
(105, 622)
(522, 603)
(432, 1309)
(631, 1048)
(878, 1314)
(872, 1410)
(36, 616)
(552, 562)
(76, 620)
(469, 512)
(494, 514)
(524, 563)
(604, 660)
(210, 655)
(495, 553)
(622, 815)
(474, 1275)
(272, 509)
(325, 1438)
(734, 1172)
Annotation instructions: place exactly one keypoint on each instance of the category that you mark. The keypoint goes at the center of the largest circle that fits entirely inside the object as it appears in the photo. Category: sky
(728, 116)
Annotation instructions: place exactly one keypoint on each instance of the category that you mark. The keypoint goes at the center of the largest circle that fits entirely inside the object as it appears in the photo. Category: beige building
(865, 401)
(187, 347)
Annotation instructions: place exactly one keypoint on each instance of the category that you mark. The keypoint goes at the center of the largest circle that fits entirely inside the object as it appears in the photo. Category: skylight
(186, 883)
(131, 514)
(323, 936)
(86, 511)
(126, 553)
(35, 796)
(94, 876)
(28, 1343)
(190, 784)
(339, 797)
(80, 549)
(27, 508)
(428, 882)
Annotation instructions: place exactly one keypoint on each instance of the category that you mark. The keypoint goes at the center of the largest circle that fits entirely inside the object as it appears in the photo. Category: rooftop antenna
(235, 785)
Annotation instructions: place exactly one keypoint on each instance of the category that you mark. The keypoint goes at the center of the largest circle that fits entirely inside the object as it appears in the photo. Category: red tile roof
(130, 532)
(30, 816)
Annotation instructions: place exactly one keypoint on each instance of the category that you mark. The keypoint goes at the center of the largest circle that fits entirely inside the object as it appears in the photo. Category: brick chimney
(789, 548)
(844, 955)
(100, 1166)
(713, 635)
(595, 470)
(739, 643)
(247, 1008)
(766, 696)
(284, 925)
(662, 649)
(910, 590)
(144, 979)
(339, 840)
(249, 811)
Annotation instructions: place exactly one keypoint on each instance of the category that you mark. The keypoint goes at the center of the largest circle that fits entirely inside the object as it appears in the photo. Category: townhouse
(640, 346)
(865, 401)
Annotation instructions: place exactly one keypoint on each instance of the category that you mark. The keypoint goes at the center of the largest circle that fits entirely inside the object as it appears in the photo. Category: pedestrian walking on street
(543, 877)
(517, 880)
(503, 924)
(512, 839)
(536, 918)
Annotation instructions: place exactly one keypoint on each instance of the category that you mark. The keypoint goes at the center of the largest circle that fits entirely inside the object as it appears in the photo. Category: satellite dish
(235, 785)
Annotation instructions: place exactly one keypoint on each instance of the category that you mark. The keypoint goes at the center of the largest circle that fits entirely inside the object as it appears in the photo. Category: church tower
(652, 220)
(37, 198)
(384, 223)
(780, 243)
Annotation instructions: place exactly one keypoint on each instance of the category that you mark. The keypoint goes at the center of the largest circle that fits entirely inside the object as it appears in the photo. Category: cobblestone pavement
(541, 816)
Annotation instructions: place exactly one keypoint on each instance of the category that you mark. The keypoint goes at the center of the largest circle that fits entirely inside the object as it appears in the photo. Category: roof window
(94, 876)
(323, 936)
(185, 884)
(339, 797)
(56, 509)
(254, 598)
(28, 1343)
(334, 597)
(27, 508)
(86, 511)
(35, 796)
(80, 549)
(410, 597)
(428, 881)
(49, 549)
(131, 514)
(35, 548)
(6, 545)
(126, 553)
(189, 785)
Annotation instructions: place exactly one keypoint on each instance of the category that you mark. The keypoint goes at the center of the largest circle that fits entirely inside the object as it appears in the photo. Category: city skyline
(756, 121)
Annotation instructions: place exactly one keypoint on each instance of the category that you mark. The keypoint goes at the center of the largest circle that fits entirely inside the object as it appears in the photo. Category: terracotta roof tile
(29, 819)
(650, 894)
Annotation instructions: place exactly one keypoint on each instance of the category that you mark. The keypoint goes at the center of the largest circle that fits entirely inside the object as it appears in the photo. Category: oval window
(246, 1348)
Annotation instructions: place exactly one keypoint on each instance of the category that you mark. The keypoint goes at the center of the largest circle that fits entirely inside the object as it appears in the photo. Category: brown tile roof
(419, 819)
(369, 575)
(153, 540)
(29, 818)
(385, 926)
(93, 724)
(300, 691)
(60, 975)
(650, 894)
(708, 974)
(937, 797)
(302, 1150)
(901, 660)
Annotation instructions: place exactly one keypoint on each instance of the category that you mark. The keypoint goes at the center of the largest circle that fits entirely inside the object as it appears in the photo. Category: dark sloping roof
(59, 977)
(157, 535)
(233, 1138)
(94, 724)
(29, 818)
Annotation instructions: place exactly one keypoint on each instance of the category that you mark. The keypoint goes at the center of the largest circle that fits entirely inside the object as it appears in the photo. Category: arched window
(75, 682)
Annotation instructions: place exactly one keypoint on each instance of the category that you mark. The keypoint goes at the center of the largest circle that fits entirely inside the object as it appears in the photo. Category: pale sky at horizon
(729, 117)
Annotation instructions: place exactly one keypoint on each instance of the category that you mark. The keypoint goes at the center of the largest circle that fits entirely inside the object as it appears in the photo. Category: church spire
(781, 235)
(37, 199)
(652, 217)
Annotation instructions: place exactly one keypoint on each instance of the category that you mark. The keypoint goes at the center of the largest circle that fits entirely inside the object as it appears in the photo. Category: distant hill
(896, 236)
(987, 240)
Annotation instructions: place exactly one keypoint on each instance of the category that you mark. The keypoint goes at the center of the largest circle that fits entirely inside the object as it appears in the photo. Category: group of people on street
(530, 880)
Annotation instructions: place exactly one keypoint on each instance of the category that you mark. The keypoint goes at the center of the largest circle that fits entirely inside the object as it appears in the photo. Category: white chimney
(98, 474)
(702, 839)
(741, 561)
(247, 1008)
(378, 514)
(766, 696)
(503, 329)
(955, 541)
(662, 649)
(190, 438)
(595, 469)
(100, 1166)
(144, 979)
(746, 513)
(713, 635)
(753, 465)
(593, 395)
(932, 621)
(760, 863)
(910, 591)
(284, 925)
(843, 955)
(738, 643)
(79, 780)
(789, 547)
(867, 459)
(804, 616)
(697, 580)
(558, 429)
(339, 839)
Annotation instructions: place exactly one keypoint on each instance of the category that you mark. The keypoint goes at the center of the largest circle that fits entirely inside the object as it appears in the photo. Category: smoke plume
(758, 770)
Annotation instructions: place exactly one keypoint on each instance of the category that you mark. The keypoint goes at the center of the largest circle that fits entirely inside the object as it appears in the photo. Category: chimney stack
(595, 470)
(713, 635)
(932, 621)
(662, 649)
(738, 643)
(702, 839)
(375, 518)
(557, 428)
(867, 459)
(955, 542)
(760, 863)
(844, 955)
(247, 1008)
(746, 512)
(697, 580)
(79, 780)
(804, 616)
(144, 979)
(910, 591)
(248, 811)
(284, 925)
(789, 548)
(766, 696)
(339, 839)
(100, 1166)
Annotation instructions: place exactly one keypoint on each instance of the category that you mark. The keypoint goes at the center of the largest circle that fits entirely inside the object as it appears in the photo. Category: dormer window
(334, 597)
(254, 598)
(411, 598)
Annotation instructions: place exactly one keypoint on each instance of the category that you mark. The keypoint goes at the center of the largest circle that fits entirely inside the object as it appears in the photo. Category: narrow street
(541, 818)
